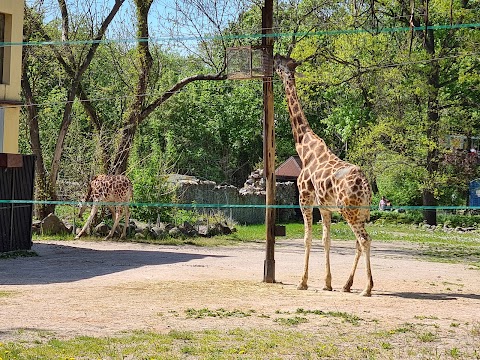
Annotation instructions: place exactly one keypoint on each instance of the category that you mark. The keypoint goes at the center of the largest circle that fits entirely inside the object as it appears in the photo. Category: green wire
(244, 36)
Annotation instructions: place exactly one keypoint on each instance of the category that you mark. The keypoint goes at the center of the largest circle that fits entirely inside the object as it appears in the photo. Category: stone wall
(191, 190)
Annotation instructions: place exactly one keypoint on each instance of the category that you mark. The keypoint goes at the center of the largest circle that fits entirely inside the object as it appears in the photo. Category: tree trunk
(43, 191)
(139, 110)
(46, 182)
(432, 122)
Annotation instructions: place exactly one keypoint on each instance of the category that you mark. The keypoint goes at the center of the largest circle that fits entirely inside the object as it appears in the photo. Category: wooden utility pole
(268, 143)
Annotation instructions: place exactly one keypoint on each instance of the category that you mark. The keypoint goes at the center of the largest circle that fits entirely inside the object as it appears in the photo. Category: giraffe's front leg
(307, 212)
(326, 221)
(86, 227)
(308, 245)
(369, 285)
(362, 246)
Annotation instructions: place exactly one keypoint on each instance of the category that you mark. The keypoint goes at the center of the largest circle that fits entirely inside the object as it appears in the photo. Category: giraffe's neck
(299, 122)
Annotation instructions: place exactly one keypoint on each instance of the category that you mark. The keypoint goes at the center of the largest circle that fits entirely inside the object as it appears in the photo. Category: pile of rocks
(52, 225)
(255, 183)
(446, 228)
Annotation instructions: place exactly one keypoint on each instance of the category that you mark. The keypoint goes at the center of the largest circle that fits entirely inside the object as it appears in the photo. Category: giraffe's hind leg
(126, 212)
(117, 214)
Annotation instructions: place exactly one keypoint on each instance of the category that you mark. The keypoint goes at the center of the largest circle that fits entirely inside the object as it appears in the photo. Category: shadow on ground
(63, 263)
(430, 296)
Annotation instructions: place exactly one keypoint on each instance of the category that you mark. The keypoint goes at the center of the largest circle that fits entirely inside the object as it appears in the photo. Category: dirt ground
(103, 288)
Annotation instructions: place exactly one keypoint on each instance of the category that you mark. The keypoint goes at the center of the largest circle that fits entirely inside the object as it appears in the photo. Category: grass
(346, 317)
(241, 344)
(4, 294)
(220, 313)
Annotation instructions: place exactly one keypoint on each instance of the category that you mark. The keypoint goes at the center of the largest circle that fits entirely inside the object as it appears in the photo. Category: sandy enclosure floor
(103, 288)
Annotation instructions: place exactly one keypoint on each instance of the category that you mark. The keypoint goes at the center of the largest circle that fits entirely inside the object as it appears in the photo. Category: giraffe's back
(111, 188)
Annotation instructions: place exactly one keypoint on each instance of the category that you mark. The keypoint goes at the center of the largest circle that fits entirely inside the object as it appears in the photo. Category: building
(16, 170)
(11, 31)
(289, 170)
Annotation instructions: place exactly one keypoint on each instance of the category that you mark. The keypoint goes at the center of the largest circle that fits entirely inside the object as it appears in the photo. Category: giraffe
(108, 188)
(328, 182)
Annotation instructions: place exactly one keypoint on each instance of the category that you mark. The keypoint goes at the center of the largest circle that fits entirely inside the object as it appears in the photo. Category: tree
(74, 64)
(75, 61)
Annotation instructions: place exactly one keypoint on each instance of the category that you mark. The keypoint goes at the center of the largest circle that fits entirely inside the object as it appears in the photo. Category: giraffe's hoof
(366, 293)
(346, 289)
(327, 288)
(302, 287)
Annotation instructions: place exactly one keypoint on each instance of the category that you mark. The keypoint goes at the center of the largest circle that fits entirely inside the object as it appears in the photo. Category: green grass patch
(346, 317)
(291, 321)
(5, 294)
(427, 337)
(219, 313)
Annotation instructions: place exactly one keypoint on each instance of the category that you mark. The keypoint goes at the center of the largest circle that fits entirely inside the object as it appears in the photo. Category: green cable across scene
(246, 36)
(198, 205)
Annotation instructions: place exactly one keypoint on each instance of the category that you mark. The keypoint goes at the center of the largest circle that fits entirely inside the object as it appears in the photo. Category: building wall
(12, 67)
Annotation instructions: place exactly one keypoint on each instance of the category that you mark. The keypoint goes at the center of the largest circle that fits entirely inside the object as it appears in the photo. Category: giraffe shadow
(430, 296)
(62, 263)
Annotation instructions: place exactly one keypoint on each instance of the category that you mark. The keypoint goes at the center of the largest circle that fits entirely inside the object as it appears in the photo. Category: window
(2, 48)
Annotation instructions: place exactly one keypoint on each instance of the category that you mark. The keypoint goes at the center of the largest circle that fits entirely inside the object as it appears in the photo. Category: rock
(139, 235)
(187, 229)
(101, 229)
(157, 232)
(52, 225)
(141, 227)
(69, 227)
(174, 232)
(36, 227)
(203, 230)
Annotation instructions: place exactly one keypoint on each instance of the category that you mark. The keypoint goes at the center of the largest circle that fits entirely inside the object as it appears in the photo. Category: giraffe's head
(284, 66)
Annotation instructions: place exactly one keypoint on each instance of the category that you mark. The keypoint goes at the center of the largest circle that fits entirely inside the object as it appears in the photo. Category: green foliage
(149, 175)
(394, 217)
(462, 220)
(397, 179)
(213, 131)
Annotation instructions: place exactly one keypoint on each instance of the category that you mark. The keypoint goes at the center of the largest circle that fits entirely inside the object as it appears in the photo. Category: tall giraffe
(108, 188)
(328, 182)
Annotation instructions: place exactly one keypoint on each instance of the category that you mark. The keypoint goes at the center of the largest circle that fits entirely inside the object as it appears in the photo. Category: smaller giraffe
(108, 188)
